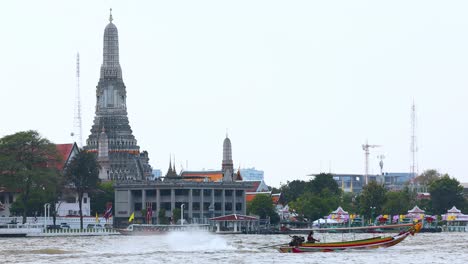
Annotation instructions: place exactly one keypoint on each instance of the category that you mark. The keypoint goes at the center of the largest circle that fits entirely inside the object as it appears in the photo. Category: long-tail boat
(297, 245)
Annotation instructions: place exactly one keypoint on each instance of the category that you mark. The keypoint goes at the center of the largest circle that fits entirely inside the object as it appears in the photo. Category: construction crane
(366, 147)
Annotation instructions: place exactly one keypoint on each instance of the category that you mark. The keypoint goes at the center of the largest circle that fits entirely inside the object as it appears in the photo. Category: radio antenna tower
(77, 120)
(413, 147)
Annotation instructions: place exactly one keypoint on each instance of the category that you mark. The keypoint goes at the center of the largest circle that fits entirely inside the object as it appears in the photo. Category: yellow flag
(132, 216)
(97, 218)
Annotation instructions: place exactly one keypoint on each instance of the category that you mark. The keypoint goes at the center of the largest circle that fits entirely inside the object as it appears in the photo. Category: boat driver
(311, 239)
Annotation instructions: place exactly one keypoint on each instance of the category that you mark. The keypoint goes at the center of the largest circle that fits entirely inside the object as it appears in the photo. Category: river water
(199, 247)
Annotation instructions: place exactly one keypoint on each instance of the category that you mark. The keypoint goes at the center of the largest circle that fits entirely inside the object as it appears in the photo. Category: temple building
(111, 136)
(202, 194)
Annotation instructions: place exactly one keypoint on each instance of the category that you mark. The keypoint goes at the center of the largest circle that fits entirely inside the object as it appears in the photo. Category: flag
(108, 212)
(149, 212)
(132, 216)
(97, 218)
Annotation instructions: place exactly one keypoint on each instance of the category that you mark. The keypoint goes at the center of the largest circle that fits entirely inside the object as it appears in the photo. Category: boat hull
(371, 243)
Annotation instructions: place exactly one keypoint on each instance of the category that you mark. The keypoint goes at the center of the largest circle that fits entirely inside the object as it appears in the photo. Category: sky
(298, 86)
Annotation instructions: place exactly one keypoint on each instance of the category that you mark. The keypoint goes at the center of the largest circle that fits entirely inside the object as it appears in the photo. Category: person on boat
(311, 239)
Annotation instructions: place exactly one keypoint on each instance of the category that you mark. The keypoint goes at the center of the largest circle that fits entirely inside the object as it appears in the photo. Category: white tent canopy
(324, 221)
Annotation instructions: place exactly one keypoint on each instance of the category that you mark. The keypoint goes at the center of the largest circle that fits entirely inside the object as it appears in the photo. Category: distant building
(251, 174)
(355, 182)
(397, 180)
(156, 173)
(465, 189)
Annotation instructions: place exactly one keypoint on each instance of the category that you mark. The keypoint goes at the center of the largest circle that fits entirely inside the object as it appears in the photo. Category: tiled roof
(64, 151)
(199, 176)
(249, 196)
(255, 185)
(234, 217)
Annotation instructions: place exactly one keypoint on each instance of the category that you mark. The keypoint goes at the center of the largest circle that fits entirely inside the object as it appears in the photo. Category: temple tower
(228, 165)
(125, 159)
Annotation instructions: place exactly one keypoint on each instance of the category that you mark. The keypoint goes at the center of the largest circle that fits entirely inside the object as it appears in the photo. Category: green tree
(324, 181)
(292, 190)
(312, 206)
(445, 193)
(82, 173)
(349, 203)
(371, 199)
(396, 202)
(162, 219)
(175, 215)
(262, 205)
(103, 194)
(27, 164)
(427, 177)
(319, 197)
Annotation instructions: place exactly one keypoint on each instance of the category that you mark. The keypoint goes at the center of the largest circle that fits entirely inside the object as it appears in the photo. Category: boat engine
(296, 241)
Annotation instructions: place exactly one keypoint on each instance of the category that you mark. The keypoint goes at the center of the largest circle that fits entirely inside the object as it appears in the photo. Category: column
(202, 209)
(158, 204)
(190, 204)
(244, 202)
(213, 201)
(223, 202)
(172, 201)
(143, 199)
(130, 203)
(234, 201)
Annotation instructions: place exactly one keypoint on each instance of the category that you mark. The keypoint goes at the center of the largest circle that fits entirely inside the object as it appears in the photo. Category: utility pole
(366, 147)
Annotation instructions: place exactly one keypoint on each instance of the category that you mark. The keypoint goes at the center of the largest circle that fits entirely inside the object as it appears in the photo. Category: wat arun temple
(111, 135)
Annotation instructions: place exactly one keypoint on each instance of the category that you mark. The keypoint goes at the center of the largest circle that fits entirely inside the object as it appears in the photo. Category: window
(85, 200)
(137, 206)
(207, 192)
(165, 192)
(166, 206)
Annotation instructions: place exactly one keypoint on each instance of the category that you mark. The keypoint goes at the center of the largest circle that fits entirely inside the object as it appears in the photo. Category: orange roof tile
(200, 176)
(64, 151)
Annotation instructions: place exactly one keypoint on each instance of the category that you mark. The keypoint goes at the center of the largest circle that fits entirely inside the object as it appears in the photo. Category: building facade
(199, 194)
(111, 136)
(200, 200)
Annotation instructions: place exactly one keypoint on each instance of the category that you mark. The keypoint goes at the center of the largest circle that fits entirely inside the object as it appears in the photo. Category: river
(199, 247)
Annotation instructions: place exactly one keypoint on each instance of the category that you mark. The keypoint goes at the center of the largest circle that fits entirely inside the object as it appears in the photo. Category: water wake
(196, 241)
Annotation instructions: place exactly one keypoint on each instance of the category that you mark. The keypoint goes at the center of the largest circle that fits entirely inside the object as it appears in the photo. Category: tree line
(321, 195)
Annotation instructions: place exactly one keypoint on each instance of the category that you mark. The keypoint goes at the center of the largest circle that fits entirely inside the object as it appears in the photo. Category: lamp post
(372, 213)
(46, 208)
(182, 214)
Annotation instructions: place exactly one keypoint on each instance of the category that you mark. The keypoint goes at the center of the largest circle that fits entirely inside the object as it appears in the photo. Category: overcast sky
(299, 85)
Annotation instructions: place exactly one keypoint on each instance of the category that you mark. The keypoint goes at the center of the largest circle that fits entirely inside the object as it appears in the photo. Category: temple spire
(110, 68)
(110, 16)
